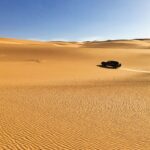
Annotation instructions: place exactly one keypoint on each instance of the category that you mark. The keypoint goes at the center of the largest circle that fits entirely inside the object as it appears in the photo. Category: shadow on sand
(106, 67)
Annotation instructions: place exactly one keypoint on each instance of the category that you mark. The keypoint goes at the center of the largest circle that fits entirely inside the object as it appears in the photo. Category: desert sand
(54, 97)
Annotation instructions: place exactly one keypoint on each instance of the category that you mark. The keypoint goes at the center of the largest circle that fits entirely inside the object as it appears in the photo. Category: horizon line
(65, 40)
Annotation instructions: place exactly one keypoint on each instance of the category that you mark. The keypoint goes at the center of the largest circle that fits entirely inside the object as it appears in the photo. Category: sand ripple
(76, 117)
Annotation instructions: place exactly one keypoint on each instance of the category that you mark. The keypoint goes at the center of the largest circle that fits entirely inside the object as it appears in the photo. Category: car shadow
(106, 67)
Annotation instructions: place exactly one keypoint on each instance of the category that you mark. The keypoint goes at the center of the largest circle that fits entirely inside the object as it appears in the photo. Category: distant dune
(136, 43)
(128, 44)
(53, 95)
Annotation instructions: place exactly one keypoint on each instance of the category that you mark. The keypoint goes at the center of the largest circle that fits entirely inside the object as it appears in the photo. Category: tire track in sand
(135, 70)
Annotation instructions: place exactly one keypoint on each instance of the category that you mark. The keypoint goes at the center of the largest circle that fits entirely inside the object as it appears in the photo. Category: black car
(110, 64)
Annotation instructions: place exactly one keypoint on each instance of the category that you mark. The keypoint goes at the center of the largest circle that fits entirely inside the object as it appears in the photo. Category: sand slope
(53, 96)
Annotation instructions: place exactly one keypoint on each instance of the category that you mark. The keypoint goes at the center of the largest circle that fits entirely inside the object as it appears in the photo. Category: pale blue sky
(75, 20)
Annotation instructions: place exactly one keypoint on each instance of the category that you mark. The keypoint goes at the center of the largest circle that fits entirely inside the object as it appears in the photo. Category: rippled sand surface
(53, 95)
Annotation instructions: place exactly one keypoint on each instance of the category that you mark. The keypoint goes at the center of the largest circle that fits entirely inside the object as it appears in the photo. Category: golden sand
(54, 97)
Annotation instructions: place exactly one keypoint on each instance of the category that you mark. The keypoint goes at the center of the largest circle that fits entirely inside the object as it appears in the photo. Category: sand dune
(53, 95)
(128, 44)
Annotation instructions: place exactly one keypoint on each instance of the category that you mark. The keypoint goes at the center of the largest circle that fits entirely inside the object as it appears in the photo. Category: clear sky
(75, 19)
